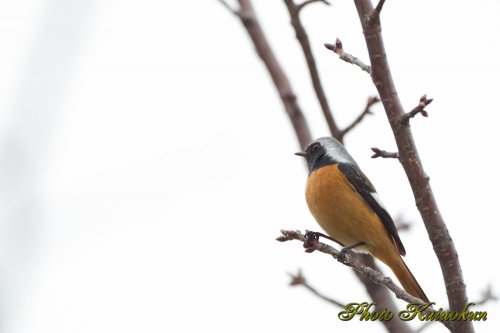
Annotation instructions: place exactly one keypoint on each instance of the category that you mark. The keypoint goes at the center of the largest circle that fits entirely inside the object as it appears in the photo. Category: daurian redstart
(346, 205)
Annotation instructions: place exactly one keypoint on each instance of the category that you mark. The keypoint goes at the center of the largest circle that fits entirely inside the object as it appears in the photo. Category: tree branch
(380, 4)
(229, 8)
(405, 118)
(350, 261)
(383, 153)
(308, 2)
(353, 262)
(338, 49)
(408, 155)
(380, 296)
(300, 280)
(303, 39)
(487, 296)
(367, 110)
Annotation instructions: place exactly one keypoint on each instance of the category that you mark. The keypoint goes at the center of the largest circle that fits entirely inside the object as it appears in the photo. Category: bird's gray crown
(326, 151)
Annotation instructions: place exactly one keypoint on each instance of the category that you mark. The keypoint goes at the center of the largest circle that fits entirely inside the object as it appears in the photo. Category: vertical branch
(303, 39)
(408, 155)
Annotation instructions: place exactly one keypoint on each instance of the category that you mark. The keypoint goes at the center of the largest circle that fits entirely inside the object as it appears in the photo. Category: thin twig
(424, 101)
(351, 261)
(437, 230)
(339, 50)
(383, 153)
(308, 2)
(303, 40)
(299, 280)
(229, 8)
(367, 110)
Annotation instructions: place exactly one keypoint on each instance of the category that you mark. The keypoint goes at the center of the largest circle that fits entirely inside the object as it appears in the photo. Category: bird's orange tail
(407, 280)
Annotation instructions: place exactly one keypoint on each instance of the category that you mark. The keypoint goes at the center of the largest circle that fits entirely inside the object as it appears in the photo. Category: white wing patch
(377, 199)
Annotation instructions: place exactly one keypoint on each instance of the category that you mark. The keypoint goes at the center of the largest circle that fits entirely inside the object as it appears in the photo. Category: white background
(147, 163)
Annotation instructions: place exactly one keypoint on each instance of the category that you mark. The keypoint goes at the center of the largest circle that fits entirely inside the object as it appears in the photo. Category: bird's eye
(314, 148)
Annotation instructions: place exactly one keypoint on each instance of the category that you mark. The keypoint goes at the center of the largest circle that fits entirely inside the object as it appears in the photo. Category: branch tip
(285, 236)
(420, 108)
(281, 239)
(383, 153)
(297, 279)
(339, 50)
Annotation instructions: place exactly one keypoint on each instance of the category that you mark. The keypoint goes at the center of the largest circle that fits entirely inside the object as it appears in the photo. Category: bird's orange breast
(342, 212)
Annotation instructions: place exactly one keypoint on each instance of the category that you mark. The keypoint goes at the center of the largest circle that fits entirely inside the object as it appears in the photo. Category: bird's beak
(301, 153)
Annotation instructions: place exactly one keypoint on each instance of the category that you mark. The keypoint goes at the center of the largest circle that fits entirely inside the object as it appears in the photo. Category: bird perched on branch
(346, 205)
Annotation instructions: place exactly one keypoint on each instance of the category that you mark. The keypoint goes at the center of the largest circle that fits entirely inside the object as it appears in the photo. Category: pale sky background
(147, 164)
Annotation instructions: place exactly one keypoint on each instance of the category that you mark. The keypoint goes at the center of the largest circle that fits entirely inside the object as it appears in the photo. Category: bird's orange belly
(341, 211)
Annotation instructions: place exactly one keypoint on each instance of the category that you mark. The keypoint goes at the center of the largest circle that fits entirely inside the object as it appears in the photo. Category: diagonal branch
(229, 8)
(366, 111)
(380, 4)
(380, 296)
(303, 39)
(487, 296)
(300, 280)
(339, 50)
(353, 262)
(439, 235)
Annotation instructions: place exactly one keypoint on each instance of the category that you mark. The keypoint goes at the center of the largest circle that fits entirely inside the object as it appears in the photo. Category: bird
(347, 207)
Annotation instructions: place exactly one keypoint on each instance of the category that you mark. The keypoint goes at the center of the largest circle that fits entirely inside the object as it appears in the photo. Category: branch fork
(383, 153)
(420, 108)
(374, 16)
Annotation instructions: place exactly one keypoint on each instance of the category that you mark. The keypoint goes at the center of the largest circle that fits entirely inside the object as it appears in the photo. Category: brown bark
(408, 155)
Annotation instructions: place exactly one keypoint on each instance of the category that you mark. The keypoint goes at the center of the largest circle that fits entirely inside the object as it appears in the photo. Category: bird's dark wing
(365, 188)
